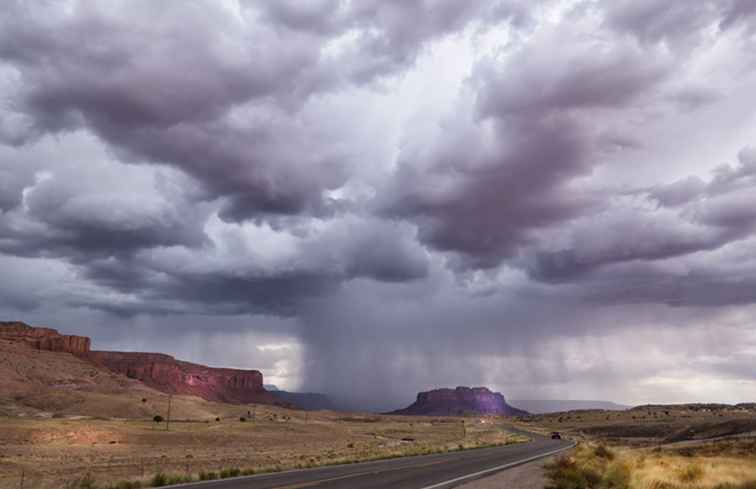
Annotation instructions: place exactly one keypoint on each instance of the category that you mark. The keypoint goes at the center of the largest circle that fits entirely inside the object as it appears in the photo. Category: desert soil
(53, 452)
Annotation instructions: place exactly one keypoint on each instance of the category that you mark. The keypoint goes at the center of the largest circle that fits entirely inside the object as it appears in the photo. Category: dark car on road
(555, 435)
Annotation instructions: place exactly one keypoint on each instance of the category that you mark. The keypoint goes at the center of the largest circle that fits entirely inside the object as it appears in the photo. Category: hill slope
(543, 406)
(44, 373)
(41, 383)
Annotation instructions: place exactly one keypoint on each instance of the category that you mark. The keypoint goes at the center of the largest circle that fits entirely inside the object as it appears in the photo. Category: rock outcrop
(44, 338)
(460, 401)
(165, 373)
(156, 370)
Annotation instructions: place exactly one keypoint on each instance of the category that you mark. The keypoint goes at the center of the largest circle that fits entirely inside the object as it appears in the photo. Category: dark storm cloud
(739, 11)
(653, 20)
(679, 192)
(691, 216)
(488, 182)
(80, 211)
(495, 200)
(12, 184)
(96, 69)
(215, 292)
(177, 281)
(678, 24)
(213, 94)
(390, 33)
(724, 279)
(418, 193)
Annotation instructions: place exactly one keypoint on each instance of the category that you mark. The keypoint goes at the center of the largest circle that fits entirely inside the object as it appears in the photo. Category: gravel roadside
(527, 476)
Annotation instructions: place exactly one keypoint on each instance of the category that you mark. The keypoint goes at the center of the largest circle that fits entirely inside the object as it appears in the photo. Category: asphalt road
(440, 471)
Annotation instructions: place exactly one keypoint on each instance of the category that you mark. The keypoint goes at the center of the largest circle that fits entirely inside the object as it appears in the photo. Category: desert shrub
(159, 480)
(602, 452)
(617, 476)
(230, 472)
(686, 452)
(564, 473)
(359, 419)
(691, 473)
(207, 476)
(744, 485)
(157, 418)
(657, 484)
(217, 419)
(242, 419)
(177, 479)
(86, 482)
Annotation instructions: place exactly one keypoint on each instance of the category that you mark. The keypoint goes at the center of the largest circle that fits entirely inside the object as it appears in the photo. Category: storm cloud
(377, 197)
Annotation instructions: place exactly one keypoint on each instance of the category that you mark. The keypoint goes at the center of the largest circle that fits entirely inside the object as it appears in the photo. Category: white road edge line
(498, 468)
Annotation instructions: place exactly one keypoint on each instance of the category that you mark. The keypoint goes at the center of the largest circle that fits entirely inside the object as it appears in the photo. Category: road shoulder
(526, 476)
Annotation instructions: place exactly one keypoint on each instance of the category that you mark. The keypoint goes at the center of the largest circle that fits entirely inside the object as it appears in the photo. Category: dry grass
(623, 468)
(669, 470)
(55, 452)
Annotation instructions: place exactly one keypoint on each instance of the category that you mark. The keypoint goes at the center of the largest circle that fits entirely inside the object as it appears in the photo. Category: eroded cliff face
(165, 373)
(159, 371)
(44, 338)
(459, 401)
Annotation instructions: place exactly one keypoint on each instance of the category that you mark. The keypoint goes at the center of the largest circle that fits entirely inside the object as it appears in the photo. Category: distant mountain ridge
(460, 401)
(545, 406)
(309, 401)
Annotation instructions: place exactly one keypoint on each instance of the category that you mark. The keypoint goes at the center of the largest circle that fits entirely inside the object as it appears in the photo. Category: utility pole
(168, 417)
(23, 476)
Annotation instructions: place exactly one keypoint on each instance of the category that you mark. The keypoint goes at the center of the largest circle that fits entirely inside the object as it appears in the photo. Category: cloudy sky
(369, 198)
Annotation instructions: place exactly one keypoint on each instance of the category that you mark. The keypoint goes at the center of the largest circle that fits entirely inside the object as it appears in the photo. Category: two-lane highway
(439, 471)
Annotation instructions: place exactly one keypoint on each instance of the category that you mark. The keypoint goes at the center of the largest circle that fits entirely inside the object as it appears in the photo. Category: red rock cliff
(159, 371)
(165, 373)
(44, 338)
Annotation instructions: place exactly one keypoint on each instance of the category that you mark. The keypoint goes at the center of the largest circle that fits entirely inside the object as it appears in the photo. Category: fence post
(168, 420)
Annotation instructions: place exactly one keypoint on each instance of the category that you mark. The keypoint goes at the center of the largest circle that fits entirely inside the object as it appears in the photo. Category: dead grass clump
(207, 476)
(673, 471)
(657, 484)
(230, 472)
(745, 485)
(617, 476)
(86, 482)
(565, 473)
(602, 452)
(691, 473)
(359, 419)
